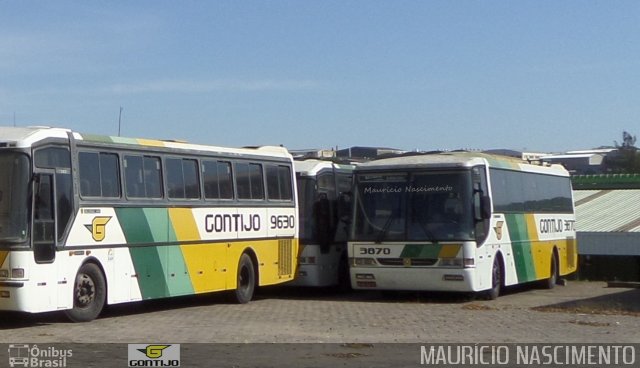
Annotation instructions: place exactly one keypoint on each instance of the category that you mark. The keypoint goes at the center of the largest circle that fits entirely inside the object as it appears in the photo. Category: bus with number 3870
(460, 221)
(90, 220)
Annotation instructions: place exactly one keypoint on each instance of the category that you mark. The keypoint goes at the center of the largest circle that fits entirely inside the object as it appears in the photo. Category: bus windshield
(14, 197)
(413, 206)
(306, 197)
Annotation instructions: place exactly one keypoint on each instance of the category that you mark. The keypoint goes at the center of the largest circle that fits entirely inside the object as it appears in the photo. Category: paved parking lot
(355, 329)
(572, 313)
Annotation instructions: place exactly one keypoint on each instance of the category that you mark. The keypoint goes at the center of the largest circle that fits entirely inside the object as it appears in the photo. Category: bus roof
(312, 167)
(459, 160)
(26, 137)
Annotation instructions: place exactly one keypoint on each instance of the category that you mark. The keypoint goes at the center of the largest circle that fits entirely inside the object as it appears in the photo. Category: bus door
(486, 245)
(44, 217)
(51, 213)
(324, 211)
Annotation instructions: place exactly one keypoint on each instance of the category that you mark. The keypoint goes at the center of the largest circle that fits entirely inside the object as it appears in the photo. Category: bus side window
(44, 204)
(63, 200)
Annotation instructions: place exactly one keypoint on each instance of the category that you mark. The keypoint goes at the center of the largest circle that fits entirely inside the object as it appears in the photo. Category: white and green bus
(91, 220)
(324, 190)
(464, 222)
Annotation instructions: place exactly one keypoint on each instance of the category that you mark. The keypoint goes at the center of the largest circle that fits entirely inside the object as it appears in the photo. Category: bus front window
(413, 206)
(14, 201)
(380, 207)
(440, 206)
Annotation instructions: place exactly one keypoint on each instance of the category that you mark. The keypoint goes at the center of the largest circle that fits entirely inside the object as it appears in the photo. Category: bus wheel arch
(247, 277)
(497, 277)
(89, 292)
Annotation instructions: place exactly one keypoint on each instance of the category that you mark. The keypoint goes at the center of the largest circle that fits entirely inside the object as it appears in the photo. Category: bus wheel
(344, 278)
(89, 294)
(551, 282)
(496, 281)
(246, 280)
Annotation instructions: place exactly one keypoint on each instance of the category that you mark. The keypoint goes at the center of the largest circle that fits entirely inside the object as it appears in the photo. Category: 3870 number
(282, 221)
(374, 251)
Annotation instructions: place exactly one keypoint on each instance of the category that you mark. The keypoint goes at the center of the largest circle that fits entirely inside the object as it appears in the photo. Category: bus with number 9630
(88, 220)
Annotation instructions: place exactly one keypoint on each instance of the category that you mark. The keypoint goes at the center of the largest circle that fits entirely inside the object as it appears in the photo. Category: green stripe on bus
(97, 138)
(176, 271)
(134, 225)
(523, 259)
(125, 140)
(421, 251)
(162, 271)
(159, 224)
(172, 261)
(146, 260)
(503, 164)
(151, 276)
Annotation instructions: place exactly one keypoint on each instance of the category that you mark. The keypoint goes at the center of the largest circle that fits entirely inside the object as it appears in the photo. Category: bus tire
(344, 277)
(89, 294)
(246, 281)
(551, 282)
(496, 281)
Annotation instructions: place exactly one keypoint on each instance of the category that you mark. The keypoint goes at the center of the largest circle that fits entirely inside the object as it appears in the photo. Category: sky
(542, 76)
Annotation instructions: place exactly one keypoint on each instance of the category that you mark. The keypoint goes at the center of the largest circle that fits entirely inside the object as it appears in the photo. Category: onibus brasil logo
(24, 355)
(155, 355)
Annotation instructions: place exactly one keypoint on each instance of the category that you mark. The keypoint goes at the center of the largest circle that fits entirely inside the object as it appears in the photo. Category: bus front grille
(285, 265)
(407, 261)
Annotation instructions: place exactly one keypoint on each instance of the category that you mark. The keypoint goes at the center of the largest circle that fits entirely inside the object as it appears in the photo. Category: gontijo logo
(153, 351)
(98, 226)
(154, 355)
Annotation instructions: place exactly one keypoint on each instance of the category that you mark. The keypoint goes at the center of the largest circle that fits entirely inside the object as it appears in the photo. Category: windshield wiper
(423, 226)
(385, 229)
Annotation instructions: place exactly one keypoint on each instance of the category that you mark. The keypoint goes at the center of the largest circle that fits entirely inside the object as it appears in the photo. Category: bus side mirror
(322, 217)
(481, 206)
(485, 205)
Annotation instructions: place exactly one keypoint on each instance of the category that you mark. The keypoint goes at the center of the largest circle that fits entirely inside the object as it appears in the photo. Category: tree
(625, 159)
(628, 142)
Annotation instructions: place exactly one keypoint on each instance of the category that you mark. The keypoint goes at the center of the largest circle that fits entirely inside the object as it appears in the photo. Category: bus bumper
(431, 279)
(23, 296)
(315, 275)
(12, 296)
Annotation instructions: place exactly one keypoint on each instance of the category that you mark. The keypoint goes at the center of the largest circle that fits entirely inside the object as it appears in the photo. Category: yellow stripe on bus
(540, 250)
(205, 262)
(3, 256)
(207, 266)
(150, 142)
(449, 250)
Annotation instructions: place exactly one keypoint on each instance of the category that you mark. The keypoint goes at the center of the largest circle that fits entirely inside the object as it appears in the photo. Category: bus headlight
(307, 260)
(469, 262)
(451, 262)
(4, 273)
(17, 273)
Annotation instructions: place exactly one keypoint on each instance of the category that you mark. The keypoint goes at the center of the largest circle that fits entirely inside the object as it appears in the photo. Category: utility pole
(119, 120)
